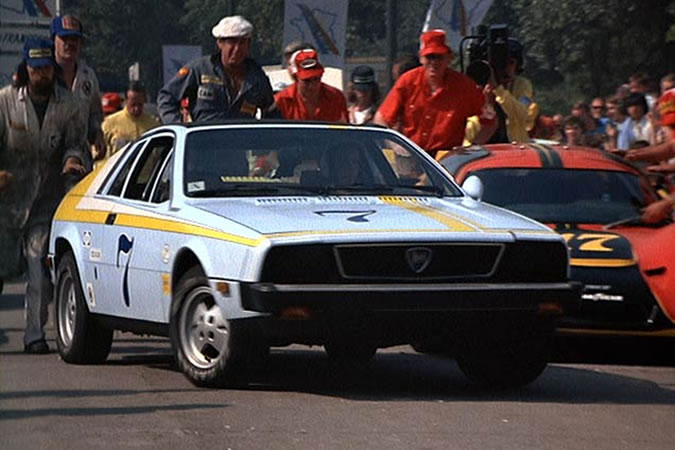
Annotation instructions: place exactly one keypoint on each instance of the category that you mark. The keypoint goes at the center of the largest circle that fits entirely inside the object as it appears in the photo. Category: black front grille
(387, 262)
(415, 261)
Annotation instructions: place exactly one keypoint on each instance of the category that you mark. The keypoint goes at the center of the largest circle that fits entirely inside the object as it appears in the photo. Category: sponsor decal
(602, 297)
(166, 284)
(205, 93)
(95, 254)
(86, 87)
(90, 294)
(54, 140)
(166, 253)
(86, 239)
(247, 108)
(206, 79)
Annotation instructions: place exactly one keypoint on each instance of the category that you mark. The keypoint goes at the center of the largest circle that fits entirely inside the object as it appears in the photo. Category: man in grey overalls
(76, 75)
(42, 142)
(225, 85)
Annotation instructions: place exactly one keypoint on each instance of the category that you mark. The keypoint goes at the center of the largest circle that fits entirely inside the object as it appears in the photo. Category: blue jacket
(204, 82)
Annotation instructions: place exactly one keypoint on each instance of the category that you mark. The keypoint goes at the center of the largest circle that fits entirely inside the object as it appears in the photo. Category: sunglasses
(434, 56)
(597, 107)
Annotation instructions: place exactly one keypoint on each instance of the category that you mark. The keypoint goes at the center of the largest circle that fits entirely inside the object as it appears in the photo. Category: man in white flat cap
(225, 85)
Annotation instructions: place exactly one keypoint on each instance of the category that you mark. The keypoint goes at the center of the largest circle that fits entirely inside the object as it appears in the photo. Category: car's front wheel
(80, 339)
(507, 361)
(207, 347)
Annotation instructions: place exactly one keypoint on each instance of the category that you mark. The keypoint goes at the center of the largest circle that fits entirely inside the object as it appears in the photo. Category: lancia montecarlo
(234, 238)
(594, 200)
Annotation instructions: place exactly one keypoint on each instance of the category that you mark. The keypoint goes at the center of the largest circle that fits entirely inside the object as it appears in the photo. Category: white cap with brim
(232, 26)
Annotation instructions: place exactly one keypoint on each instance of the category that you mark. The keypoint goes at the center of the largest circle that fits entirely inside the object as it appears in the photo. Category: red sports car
(593, 199)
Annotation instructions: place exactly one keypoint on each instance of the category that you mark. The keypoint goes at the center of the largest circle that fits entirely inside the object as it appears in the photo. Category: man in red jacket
(309, 98)
(433, 101)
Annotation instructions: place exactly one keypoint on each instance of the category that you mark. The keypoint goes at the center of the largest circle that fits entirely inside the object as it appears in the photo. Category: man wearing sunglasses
(434, 101)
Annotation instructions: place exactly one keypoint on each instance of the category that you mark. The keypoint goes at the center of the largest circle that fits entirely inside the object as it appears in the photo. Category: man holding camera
(433, 102)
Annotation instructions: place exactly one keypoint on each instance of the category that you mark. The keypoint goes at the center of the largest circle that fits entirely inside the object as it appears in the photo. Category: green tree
(119, 33)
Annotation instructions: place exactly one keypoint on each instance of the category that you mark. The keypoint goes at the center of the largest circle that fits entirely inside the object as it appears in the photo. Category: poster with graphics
(321, 23)
(20, 20)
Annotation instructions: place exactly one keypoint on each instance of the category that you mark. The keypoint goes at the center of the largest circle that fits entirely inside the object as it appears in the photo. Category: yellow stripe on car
(456, 224)
(599, 262)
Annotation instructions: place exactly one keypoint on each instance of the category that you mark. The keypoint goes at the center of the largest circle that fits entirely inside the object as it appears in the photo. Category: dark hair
(574, 121)
(20, 78)
(405, 62)
(136, 86)
(636, 99)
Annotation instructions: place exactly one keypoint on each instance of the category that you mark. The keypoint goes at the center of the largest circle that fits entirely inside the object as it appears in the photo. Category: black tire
(346, 352)
(80, 339)
(208, 348)
(507, 362)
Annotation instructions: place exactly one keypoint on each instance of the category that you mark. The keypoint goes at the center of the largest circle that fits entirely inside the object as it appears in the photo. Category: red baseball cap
(111, 102)
(433, 42)
(305, 64)
(666, 105)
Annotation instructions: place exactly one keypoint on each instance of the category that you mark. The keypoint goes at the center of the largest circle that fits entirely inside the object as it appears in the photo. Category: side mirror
(473, 187)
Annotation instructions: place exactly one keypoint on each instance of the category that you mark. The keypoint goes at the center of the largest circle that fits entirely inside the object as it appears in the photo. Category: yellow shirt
(121, 128)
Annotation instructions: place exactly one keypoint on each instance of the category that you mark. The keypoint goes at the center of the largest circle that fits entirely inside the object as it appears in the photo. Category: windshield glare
(564, 195)
(305, 161)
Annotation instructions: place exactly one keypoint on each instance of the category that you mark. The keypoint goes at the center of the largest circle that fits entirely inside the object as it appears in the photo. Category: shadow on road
(12, 414)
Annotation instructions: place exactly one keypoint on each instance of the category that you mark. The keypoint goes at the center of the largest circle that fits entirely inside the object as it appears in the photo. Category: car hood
(366, 213)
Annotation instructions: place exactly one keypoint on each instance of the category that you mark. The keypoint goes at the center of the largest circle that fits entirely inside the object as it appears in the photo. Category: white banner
(323, 23)
(456, 17)
(21, 20)
(176, 56)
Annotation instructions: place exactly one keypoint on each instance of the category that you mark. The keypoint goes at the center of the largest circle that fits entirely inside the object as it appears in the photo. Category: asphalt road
(297, 400)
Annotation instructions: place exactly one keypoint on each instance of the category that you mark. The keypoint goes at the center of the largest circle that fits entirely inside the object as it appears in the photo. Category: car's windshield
(564, 195)
(264, 161)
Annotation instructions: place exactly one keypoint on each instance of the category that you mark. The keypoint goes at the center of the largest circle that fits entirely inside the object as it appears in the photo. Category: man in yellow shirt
(126, 125)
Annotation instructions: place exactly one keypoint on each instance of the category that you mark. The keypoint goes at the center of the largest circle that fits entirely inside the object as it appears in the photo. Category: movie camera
(489, 50)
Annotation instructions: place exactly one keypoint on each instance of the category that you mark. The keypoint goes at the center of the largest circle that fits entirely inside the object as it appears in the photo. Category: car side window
(163, 185)
(147, 168)
(123, 173)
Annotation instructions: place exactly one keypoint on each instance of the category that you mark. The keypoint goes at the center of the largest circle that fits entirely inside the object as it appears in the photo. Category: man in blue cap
(42, 144)
(76, 75)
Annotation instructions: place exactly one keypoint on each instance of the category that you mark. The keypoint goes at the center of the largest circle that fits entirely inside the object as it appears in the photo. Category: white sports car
(231, 238)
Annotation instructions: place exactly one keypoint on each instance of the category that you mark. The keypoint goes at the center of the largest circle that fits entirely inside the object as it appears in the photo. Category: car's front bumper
(447, 297)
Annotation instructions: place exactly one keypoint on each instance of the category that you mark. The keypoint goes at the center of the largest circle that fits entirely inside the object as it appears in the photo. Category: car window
(574, 196)
(147, 168)
(307, 161)
(163, 185)
(122, 175)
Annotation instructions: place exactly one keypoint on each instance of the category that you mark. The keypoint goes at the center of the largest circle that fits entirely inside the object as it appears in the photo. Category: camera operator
(513, 94)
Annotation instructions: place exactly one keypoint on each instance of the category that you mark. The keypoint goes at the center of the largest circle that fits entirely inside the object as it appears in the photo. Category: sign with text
(19, 21)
